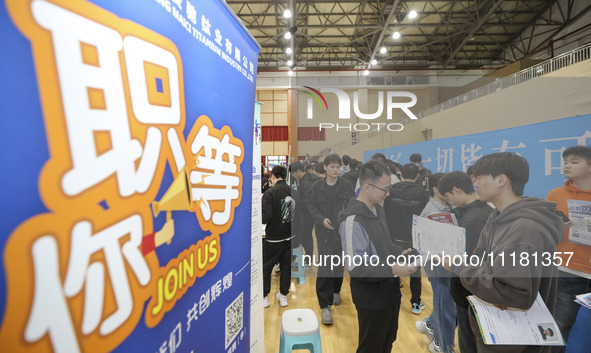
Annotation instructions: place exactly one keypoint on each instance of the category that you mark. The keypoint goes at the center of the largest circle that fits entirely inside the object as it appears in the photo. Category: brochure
(579, 213)
(444, 217)
(584, 300)
(534, 326)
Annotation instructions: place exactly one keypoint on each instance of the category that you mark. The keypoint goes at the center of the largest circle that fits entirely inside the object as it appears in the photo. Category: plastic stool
(299, 330)
(301, 270)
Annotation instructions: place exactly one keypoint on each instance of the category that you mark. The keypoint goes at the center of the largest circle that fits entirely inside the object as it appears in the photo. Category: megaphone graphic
(176, 198)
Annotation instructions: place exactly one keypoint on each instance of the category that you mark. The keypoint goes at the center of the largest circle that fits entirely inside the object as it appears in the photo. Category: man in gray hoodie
(519, 228)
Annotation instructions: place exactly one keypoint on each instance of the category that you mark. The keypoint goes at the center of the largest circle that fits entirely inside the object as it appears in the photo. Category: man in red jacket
(575, 277)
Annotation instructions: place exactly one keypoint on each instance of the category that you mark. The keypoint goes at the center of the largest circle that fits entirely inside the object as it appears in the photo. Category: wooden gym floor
(342, 336)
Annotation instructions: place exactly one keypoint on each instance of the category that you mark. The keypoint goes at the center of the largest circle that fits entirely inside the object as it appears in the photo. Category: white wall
(561, 94)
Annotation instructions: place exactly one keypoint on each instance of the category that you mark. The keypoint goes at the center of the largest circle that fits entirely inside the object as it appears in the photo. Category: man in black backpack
(279, 214)
(353, 174)
(416, 159)
(306, 184)
(471, 214)
(405, 200)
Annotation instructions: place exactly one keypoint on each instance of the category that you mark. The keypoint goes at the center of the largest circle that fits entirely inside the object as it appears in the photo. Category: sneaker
(417, 309)
(266, 303)
(425, 328)
(336, 300)
(282, 299)
(326, 316)
(434, 347)
(277, 269)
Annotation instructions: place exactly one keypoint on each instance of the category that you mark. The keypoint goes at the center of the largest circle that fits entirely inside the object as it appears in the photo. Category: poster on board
(127, 143)
(257, 315)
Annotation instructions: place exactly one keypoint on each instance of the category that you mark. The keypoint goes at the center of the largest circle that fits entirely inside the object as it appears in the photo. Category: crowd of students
(357, 210)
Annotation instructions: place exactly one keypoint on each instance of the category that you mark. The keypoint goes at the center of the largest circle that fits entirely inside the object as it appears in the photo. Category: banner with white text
(540, 144)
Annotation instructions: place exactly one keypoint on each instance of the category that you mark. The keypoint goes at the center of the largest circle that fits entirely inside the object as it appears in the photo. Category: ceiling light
(374, 62)
(412, 14)
(288, 51)
(289, 62)
(290, 73)
(396, 35)
(287, 35)
(287, 13)
(383, 50)
(366, 72)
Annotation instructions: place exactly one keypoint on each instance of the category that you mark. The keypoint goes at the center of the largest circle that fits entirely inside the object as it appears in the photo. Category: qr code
(234, 319)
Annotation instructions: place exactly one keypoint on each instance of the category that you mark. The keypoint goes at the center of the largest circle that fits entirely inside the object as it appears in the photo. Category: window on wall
(275, 160)
(311, 134)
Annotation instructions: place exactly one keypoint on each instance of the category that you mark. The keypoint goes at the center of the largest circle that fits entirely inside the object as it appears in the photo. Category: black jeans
(329, 279)
(307, 240)
(466, 338)
(273, 253)
(416, 287)
(377, 329)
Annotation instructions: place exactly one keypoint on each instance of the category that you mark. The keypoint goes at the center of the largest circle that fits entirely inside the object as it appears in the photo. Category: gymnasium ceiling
(348, 34)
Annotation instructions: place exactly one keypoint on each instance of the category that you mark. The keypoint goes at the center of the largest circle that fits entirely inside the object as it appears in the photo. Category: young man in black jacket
(406, 199)
(280, 206)
(297, 171)
(471, 214)
(325, 200)
(375, 287)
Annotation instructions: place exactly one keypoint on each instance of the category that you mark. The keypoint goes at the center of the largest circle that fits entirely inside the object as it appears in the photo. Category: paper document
(584, 300)
(535, 326)
(431, 237)
(580, 213)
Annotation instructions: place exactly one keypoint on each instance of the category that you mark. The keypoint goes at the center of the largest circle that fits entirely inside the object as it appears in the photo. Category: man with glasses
(406, 199)
(375, 286)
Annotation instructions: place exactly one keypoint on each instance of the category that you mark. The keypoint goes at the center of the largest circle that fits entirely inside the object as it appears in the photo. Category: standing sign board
(127, 143)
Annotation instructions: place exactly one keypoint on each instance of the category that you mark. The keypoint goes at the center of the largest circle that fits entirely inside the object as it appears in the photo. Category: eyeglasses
(377, 187)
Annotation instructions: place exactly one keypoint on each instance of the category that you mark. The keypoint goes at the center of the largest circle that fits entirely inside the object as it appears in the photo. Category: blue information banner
(540, 144)
(126, 139)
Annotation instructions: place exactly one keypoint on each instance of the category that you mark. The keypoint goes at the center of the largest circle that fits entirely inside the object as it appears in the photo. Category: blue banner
(540, 144)
(126, 138)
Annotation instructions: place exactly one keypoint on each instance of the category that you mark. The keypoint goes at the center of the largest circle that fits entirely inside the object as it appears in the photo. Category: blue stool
(299, 330)
(301, 270)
